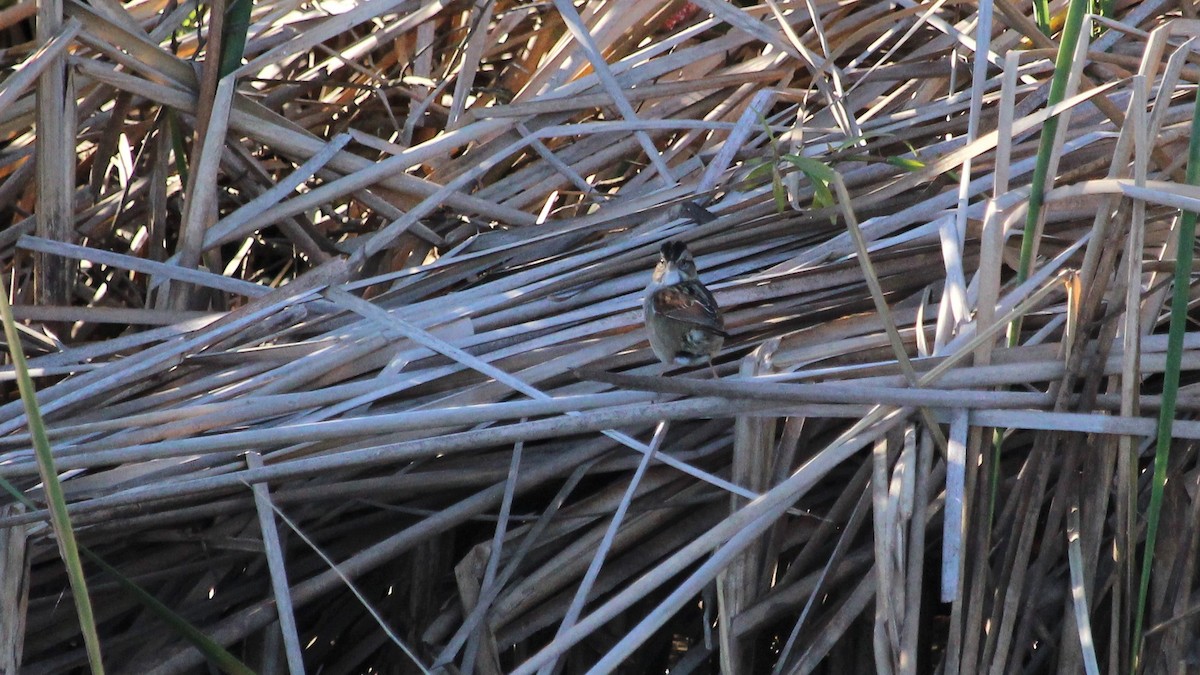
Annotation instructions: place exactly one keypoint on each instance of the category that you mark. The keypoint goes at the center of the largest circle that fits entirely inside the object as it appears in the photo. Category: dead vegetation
(368, 310)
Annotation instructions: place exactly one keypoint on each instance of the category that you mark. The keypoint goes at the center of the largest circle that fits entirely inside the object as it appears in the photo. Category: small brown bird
(682, 317)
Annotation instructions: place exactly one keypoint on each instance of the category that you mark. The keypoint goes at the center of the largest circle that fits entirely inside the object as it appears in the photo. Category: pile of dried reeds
(339, 345)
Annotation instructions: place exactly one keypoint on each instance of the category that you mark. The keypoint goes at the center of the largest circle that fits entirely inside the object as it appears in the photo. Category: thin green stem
(1037, 190)
(1041, 15)
(56, 501)
(1166, 414)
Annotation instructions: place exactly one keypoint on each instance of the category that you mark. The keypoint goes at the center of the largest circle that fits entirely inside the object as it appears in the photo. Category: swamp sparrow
(682, 317)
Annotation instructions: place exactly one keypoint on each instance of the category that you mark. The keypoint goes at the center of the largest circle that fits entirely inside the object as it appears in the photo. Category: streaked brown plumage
(682, 317)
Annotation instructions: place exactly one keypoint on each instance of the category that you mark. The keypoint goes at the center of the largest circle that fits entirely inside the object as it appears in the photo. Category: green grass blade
(56, 502)
(237, 25)
(1041, 15)
(1037, 190)
(178, 145)
(1166, 414)
(216, 654)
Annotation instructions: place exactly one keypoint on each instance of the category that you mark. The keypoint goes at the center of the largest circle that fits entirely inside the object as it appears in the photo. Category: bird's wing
(689, 303)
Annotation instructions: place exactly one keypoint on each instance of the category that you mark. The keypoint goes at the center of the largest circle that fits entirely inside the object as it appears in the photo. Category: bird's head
(675, 264)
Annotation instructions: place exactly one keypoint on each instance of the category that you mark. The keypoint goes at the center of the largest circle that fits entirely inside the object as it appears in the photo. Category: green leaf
(237, 25)
(214, 652)
(905, 163)
(1170, 386)
(780, 192)
(56, 501)
(815, 169)
(764, 168)
(178, 145)
(822, 196)
(1041, 15)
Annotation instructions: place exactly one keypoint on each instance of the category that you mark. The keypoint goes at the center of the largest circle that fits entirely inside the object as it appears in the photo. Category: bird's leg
(712, 370)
